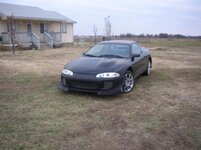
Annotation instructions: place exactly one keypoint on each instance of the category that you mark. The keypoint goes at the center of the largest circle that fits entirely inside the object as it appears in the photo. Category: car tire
(148, 70)
(129, 82)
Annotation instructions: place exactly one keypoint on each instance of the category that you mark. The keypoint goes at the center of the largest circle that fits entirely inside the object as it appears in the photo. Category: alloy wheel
(128, 82)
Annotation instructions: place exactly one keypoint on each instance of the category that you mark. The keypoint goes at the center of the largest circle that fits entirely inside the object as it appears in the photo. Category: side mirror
(134, 55)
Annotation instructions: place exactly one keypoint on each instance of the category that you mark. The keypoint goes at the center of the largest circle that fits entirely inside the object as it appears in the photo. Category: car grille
(88, 85)
(85, 85)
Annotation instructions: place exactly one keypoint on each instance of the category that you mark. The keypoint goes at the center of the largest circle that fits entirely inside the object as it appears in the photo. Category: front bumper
(89, 83)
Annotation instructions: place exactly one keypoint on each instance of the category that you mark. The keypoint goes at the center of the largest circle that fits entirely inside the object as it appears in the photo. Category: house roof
(31, 13)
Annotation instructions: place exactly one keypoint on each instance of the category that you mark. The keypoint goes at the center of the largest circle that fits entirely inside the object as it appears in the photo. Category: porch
(30, 39)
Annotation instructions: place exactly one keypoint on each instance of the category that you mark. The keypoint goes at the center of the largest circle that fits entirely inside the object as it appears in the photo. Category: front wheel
(129, 82)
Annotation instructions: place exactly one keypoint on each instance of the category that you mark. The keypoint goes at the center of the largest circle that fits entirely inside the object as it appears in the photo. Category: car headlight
(67, 72)
(108, 75)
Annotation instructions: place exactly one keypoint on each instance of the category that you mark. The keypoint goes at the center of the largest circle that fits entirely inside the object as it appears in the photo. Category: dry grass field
(162, 112)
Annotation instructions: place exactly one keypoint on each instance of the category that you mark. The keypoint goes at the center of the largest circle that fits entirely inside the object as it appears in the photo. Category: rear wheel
(148, 71)
(128, 82)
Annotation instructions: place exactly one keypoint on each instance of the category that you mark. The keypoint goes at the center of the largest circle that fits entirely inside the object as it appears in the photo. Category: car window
(109, 49)
(136, 49)
(121, 50)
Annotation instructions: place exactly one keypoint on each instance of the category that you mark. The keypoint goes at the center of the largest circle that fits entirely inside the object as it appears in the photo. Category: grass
(170, 43)
(162, 112)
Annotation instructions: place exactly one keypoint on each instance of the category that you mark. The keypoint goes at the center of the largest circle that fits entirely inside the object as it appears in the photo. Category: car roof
(119, 42)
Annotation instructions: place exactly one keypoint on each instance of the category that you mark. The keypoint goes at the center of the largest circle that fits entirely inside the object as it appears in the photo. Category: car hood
(94, 65)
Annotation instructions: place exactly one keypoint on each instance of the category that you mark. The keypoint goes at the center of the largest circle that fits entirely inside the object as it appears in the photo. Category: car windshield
(109, 50)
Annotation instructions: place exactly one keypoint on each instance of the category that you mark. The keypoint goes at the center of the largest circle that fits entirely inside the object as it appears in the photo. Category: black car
(108, 68)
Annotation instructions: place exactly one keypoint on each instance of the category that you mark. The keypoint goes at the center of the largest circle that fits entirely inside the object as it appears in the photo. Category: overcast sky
(127, 16)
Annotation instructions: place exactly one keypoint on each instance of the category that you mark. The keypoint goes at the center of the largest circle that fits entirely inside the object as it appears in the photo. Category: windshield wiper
(110, 55)
(90, 55)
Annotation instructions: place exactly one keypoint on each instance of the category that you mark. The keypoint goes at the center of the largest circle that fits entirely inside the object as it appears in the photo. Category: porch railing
(20, 38)
(48, 40)
(6, 38)
(56, 37)
(36, 40)
(23, 37)
(27, 38)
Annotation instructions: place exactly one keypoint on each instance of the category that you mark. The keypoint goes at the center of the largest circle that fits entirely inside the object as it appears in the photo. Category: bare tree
(95, 30)
(11, 29)
(108, 28)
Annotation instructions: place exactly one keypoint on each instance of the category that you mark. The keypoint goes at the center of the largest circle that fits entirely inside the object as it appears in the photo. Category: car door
(138, 63)
(145, 59)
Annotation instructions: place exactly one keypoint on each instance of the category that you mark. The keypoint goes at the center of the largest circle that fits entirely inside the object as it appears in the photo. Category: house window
(29, 30)
(41, 27)
(64, 28)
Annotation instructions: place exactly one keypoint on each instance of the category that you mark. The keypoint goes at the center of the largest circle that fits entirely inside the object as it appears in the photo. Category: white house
(33, 25)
